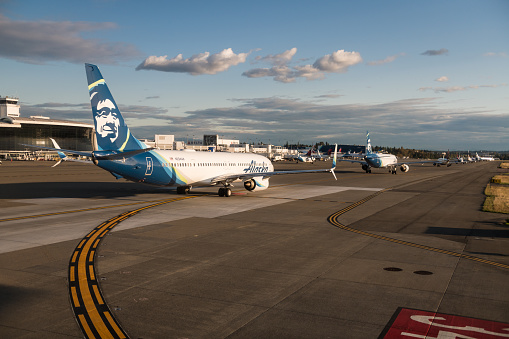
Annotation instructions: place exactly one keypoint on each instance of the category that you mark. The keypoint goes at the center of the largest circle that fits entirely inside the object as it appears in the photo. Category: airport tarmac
(367, 256)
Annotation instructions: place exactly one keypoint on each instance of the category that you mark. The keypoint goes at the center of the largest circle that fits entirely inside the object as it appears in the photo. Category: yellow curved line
(332, 219)
(87, 286)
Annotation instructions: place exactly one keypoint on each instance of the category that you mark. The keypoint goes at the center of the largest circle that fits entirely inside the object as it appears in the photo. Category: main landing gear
(225, 192)
(183, 189)
(393, 171)
(366, 168)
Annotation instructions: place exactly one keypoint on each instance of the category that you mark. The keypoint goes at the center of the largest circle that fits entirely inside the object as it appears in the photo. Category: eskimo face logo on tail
(107, 119)
(254, 167)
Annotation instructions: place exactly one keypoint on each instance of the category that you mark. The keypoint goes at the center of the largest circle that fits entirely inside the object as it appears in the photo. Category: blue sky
(418, 74)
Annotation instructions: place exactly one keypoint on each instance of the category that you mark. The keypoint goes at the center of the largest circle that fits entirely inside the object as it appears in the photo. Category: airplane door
(150, 166)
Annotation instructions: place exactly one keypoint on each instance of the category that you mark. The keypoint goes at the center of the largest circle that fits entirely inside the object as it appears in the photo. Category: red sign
(408, 323)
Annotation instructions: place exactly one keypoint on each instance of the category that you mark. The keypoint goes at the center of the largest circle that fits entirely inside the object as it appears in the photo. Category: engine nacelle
(404, 168)
(256, 184)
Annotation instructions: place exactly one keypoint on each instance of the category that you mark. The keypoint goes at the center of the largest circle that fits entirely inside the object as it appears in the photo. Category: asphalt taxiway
(309, 257)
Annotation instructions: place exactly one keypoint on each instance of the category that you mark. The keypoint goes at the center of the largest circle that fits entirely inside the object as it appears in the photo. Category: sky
(416, 74)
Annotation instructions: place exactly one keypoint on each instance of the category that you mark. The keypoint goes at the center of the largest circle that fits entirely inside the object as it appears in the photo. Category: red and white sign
(409, 323)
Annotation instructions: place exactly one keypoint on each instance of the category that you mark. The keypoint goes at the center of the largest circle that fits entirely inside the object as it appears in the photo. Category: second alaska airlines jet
(380, 160)
(124, 156)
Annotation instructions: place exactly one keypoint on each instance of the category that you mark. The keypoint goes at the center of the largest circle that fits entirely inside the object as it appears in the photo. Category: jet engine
(256, 184)
(404, 168)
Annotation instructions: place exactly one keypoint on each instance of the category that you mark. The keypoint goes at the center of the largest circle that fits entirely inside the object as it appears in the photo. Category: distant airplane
(381, 160)
(305, 157)
(447, 161)
(444, 161)
(487, 158)
(320, 156)
(124, 156)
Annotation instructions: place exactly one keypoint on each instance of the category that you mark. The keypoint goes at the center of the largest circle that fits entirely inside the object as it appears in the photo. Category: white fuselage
(380, 160)
(187, 168)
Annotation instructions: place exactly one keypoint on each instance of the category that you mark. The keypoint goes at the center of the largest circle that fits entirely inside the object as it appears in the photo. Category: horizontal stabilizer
(83, 154)
(121, 155)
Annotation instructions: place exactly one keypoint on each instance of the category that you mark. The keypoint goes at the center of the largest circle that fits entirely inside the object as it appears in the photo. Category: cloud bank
(457, 88)
(38, 42)
(417, 123)
(203, 63)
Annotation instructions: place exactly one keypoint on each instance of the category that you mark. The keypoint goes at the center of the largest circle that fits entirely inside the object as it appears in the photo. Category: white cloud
(493, 54)
(39, 42)
(387, 60)
(442, 79)
(279, 59)
(203, 63)
(337, 62)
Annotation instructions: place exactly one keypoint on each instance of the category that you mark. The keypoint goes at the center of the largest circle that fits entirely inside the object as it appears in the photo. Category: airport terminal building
(37, 130)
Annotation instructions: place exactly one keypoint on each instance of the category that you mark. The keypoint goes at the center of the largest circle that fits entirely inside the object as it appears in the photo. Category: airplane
(487, 158)
(305, 158)
(381, 160)
(442, 161)
(320, 156)
(446, 161)
(124, 156)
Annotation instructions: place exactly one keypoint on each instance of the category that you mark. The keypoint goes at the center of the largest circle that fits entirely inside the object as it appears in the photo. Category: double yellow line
(92, 313)
(333, 219)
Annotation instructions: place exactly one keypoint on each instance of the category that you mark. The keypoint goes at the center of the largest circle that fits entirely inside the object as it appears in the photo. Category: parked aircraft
(124, 156)
(380, 160)
(444, 161)
(487, 158)
(305, 157)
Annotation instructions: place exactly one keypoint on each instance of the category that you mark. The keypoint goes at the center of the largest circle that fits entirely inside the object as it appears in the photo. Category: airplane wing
(99, 155)
(351, 160)
(265, 175)
(83, 154)
(414, 162)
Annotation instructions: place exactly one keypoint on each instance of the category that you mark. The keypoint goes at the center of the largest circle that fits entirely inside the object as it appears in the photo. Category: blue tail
(368, 144)
(111, 131)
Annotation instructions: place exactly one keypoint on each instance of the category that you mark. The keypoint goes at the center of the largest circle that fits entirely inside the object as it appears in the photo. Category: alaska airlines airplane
(124, 156)
(380, 160)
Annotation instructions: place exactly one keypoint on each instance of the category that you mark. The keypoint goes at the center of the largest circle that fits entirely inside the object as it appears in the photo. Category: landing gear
(393, 171)
(366, 168)
(225, 192)
(183, 189)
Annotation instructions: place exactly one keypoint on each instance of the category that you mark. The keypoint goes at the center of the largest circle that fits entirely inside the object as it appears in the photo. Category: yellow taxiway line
(92, 313)
(333, 219)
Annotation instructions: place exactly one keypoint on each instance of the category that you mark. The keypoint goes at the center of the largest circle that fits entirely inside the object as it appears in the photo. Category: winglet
(60, 154)
(334, 161)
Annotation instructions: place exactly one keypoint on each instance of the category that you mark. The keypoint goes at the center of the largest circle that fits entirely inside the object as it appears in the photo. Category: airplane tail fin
(368, 144)
(111, 131)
